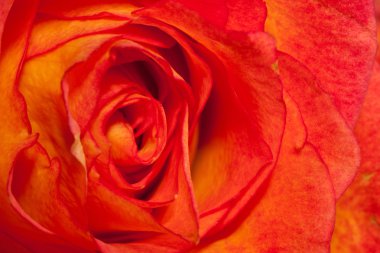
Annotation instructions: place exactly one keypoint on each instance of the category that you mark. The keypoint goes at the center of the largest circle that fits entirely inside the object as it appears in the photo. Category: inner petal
(137, 132)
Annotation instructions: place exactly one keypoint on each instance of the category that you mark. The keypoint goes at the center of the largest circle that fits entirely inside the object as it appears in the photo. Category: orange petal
(181, 216)
(48, 117)
(323, 123)
(357, 226)
(294, 210)
(15, 129)
(43, 202)
(48, 34)
(242, 124)
(232, 15)
(316, 34)
(125, 224)
(71, 9)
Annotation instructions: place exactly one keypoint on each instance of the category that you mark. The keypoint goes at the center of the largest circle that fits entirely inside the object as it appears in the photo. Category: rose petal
(323, 123)
(316, 34)
(357, 226)
(232, 15)
(233, 143)
(9, 244)
(46, 109)
(48, 34)
(187, 60)
(46, 201)
(182, 216)
(124, 222)
(48, 117)
(72, 9)
(45, 30)
(119, 214)
(243, 120)
(294, 211)
(15, 131)
(166, 246)
(4, 10)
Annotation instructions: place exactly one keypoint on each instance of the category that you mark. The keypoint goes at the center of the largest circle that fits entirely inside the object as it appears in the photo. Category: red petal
(181, 216)
(243, 121)
(326, 129)
(14, 133)
(357, 226)
(72, 9)
(232, 15)
(48, 34)
(8, 244)
(294, 211)
(124, 224)
(316, 34)
(5, 8)
(43, 202)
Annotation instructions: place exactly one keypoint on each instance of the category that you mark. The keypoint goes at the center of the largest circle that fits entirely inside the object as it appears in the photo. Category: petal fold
(294, 210)
(315, 33)
(357, 227)
(323, 123)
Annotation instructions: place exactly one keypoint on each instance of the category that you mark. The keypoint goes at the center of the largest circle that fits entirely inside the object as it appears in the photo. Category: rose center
(137, 132)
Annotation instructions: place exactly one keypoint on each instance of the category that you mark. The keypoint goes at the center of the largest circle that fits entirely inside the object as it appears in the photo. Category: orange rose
(172, 126)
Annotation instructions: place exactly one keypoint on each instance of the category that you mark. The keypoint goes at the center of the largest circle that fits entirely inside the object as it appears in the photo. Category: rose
(165, 126)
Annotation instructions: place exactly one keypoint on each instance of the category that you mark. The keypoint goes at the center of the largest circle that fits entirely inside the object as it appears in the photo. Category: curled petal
(44, 202)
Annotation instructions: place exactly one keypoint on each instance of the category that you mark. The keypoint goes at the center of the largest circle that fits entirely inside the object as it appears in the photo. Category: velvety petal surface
(326, 129)
(71, 9)
(232, 15)
(4, 10)
(336, 40)
(357, 227)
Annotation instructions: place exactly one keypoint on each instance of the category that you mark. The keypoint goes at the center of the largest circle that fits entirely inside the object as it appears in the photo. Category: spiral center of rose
(136, 132)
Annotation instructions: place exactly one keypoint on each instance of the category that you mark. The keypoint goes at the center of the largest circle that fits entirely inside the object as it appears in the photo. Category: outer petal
(5, 7)
(44, 202)
(294, 212)
(323, 123)
(72, 9)
(357, 226)
(335, 39)
(14, 131)
(232, 15)
(55, 32)
(18, 231)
